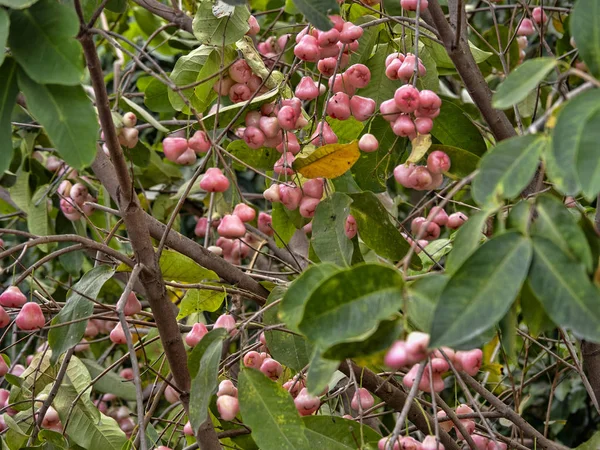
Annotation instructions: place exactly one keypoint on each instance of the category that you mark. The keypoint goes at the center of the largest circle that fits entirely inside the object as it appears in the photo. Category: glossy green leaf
(4, 29)
(186, 72)
(220, 24)
(198, 300)
(481, 291)
(204, 370)
(269, 411)
(329, 239)
(178, 267)
(377, 230)
(564, 289)
(294, 300)
(42, 40)
(534, 315)
(423, 297)
(37, 215)
(507, 169)
(320, 372)
(282, 224)
(453, 127)
(466, 240)
(17, 4)
(556, 223)
(521, 81)
(110, 382)
(572, 159)
(349, 305)
(67, 116)
(316, 12)
(204, 93)
(335, 433)
(8, 94)
(156, 95)
(78, 307)
(584, 25)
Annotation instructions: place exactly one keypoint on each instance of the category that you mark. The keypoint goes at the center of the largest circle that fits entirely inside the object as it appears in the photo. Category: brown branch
(179, 18)
(395, 398)
(137, 226)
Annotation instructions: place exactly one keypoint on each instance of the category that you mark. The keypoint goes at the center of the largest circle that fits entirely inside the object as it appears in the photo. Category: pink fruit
(201, 227)
(265, 223)
(253, 360)
(409, 443)
(455, 220)
(341, 84)
(403, 126)
(187, 158)
(306, 404)
(290, 196)
(284, 165)
(307, 89)
(538, 15)
(416, 345)
(397, 356)
(287, 117)
(432, 231)
(228, 407)
(129, 120)
(526, 28)
(391, 70)
(420, 178)
(226, 387)
(199, 142)
(445, 425)
(308, 206)
(272, 194)
(327, 136)
(12, 297)
(252, 119)
(438, 162)
(362, 107)
(132, 306)
(187, 429)
(239, 93)
(423, 125)
(481, 442)
(30, 317)
(214, 181)
(64, 188)
(439, 366)
(496, 446)
(244, 212)
(127, 373)
(254, 26)
(307, 49)
(269, 126)
(368, 143)
(431, 443)
(470, 361)
(226, 321)
(231, 227)
(117, 335)
(383, 444)
(338, 106)
(411, 5)
(407, 98)
(254, 137)
(350, 227)
(78, 193)
(350, 32)
(326, 38)
(271, 368)
(294, 387)
(389, 110)
(416, 224)
(4, 317)
(291, 142)
(358, 75)
(240, 71)
(407, 69)
(223, 86)
(3, 367)
(429, 103)
(198, 331)
(402, 173)
(173, 147)
(327, 66)
(362, 399)
(313, 188)
(438, 215)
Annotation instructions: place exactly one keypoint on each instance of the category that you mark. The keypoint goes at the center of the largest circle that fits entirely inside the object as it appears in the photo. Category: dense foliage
(310, 224)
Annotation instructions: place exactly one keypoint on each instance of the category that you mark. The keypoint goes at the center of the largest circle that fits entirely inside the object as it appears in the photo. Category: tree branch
(179, 18)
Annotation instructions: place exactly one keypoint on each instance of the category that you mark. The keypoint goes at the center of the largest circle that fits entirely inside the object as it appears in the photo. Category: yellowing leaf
(420, 145)
(329, 161)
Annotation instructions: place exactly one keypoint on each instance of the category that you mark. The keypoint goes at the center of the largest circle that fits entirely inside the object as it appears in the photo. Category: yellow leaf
(329, 161)
(420, 145)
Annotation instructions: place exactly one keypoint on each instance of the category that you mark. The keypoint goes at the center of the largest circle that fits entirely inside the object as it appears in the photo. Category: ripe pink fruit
(78, 193)
(327, 137)
(307, 49)
(129, 119)
(199, 142)
(470, 361)
(432, 231)
(362, 107)
(409, 443)
(416, 224)
(429, 104)
(362, 399)
(244, 212)
(407, 69)
(254, 137)
(187, 429)
(226, 321)
(272, 194)
(12, 297)
(358, 75)
(307, 89)
(254, 26)
(382, 444)
(226, 387)
(132, 306)
(368, 143)
(420, 178)
(269, 126)
(526, 28)
(30, 317)
(411, 5)
(402, 173)
(438, 215)
(340, 83)
(391, 70)
(214, 181)
(350, 227)
(538, 15)
(446, 425)
(171, 394)
(481, 442)
(117, 335)
(306, 404)
(240, 71)
(252, 119)
(228, 407)
(287, 117)
(290, 196)
(4, 317)
(201, 227)
(438, 162)
(313, 188)
(187, 158)
(231, 227)
(239, 93)
(222, 87)
(404, 126)
(253, 359)
(67, 206)
(496, 446)
(284, 165)
(199, 330)
(291, 141)
(423, 125)
(416, 345)
(327, 66)
(3, 367)
(127, 373)
(438, 366)
(455, 220)
(173, 147)
(407, 98)
(327, 38)
(397, 356)
(350, 32)
(389, 110)
(294, 387)
(430, 443)
(264, 223)
(308, 206)
(271, 368)
(338, 106)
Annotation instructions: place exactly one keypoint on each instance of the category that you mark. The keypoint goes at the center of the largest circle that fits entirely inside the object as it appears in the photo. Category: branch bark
(137, 227)
(179, 18)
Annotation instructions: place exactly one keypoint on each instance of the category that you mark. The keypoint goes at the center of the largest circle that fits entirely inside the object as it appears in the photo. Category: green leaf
(335, 433)
(556, 223)
(292, 305)
(376, 229)
(198, 300)
(156, 95)
(204, 94)
(37, 216)
(463, 161)
(481, 291)
(466, 240)
(8, 94)
(533, 312)
(4, 27)
(283, 224)
(349, 305)
(178, 267)
(269, 411)
(262, 158)
(366, 42)
(453, 127)
(380, 87)
(585, 29)
(77, 307)
(507, 169)
(110, 383)
(564, 289)
(220, 24)
(42, 40)
(320, 372)
(329, 239)
(572, 156)
(316, 12)
(145, 115)
(17, 4)
(423, 297)
(204, 370)
(521, 81)
(68, 117)
(186, 72)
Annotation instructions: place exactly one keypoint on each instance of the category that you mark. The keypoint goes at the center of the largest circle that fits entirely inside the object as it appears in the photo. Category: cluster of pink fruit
(183, 151)
(409, 443)
(240, 84)
(344, 103)
(325, 47)
(73, 200)
(414, 350)
(424, 178)
(128, 134)
(527, 28)
(436, 219)
(481, 442)
(30, 316)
